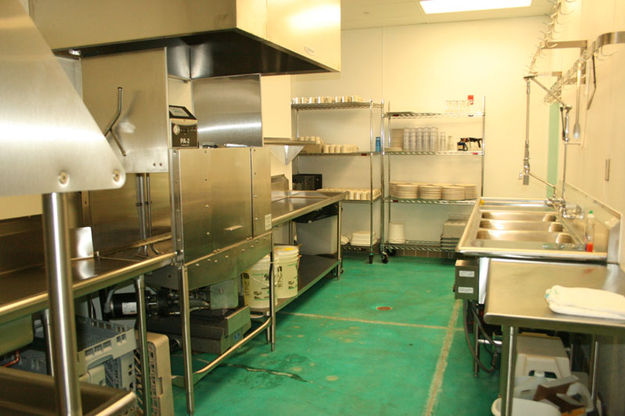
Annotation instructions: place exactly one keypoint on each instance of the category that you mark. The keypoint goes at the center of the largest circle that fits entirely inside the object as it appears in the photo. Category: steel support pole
(143, 345)
(594, 363)
(339, 230)
(59, 276)
(47, 332)
(272, 300)
(507, 369)
(185, 316)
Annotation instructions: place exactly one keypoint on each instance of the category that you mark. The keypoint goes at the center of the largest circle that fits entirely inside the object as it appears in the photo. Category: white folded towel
(583, 301)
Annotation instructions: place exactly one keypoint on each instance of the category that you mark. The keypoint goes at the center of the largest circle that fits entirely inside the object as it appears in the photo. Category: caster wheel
(384, 258)
(391, 252)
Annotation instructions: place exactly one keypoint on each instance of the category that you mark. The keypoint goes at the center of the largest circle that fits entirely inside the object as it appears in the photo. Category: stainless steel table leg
(185, 316)
(594, 363)
(476, 345)
(272, 303)
(143, 345)
(339, 230)
(59, 276)
(506, 377)
(47, 330)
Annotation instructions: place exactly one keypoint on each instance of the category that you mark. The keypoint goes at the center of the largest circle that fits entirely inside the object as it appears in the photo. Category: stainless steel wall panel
(21, 243)
(261, 190)
(228, 110)
(161, 207)
(114, 217)
(144, 122)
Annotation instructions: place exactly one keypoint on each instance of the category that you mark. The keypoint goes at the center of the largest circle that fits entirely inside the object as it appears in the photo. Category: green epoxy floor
(337, 354)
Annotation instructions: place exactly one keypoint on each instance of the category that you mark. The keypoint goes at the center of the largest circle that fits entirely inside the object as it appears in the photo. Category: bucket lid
(286, 251)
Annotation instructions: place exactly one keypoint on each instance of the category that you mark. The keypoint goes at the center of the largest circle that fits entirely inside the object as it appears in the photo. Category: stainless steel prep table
(286, 206)
(25, 292)
(516, 298)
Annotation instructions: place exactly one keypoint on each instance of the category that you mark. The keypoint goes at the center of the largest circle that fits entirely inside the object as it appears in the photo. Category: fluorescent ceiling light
(449, 6)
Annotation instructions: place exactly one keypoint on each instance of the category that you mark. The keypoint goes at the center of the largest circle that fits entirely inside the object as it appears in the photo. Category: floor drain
(384, 308)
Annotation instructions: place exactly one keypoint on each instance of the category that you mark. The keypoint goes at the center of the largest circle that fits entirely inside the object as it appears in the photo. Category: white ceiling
(358, 14)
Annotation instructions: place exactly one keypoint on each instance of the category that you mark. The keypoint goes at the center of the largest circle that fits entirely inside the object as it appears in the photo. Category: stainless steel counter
(25, 291)
(516, 294)
(286, 206)
(516, 298)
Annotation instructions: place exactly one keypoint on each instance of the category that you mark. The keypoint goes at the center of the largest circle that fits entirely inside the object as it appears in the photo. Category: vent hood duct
(212, 38)
(49, 141)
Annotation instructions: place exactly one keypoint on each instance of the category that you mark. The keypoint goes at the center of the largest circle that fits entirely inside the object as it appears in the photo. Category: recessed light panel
(450, 6)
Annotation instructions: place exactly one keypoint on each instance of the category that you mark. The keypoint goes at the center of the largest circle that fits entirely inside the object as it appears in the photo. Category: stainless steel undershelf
(26, 394)
(311, 270)
(26, 292)
(438, 153)
(297, 203)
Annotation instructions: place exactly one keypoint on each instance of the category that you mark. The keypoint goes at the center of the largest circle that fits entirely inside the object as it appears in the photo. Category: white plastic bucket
(522, 407)
(286, 259)
(256, 284)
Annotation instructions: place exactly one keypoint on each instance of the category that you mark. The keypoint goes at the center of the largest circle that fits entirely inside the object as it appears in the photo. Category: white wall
(276, 117)
(418, 68)
(603, 137)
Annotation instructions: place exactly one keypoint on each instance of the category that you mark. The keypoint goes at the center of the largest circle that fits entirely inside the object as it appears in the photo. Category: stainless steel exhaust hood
(49, 141)
(214, 37)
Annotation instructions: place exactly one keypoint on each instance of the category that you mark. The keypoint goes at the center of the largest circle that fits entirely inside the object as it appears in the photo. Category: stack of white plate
(361, 238)
(396, 233)
(404, 190)
(430, 192)
(453, 192)
(470, 191)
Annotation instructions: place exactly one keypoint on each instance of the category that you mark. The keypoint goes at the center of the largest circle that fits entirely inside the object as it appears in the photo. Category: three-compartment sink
(523, 226)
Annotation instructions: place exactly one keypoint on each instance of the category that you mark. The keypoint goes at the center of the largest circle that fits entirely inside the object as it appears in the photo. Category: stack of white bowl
(453, 192)
(361, 238)
(430, 191)
(470, 191)
(404, 190)
(396, 234)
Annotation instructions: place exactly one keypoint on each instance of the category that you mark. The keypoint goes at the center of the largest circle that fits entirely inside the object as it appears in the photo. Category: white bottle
(406, 143)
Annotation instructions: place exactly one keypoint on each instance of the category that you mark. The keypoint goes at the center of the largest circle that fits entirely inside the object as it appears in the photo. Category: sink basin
(542, 216)
(515, 235)
(521, 225)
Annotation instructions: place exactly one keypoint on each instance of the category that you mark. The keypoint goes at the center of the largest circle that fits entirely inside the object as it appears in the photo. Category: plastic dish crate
(99, 341)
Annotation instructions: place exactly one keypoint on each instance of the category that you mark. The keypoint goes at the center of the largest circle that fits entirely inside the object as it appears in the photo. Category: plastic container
(589, 231)
(256, 284)
(286, 259)
(378, 145)
(522, 407)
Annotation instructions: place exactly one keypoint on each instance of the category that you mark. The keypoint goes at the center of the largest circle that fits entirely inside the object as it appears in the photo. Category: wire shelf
(443, 153)
(413, 115)
(341, 154)
(430, 201)
(336, 106)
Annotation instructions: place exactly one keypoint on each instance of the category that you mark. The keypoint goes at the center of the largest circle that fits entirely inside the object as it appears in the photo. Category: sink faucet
(571, 213)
